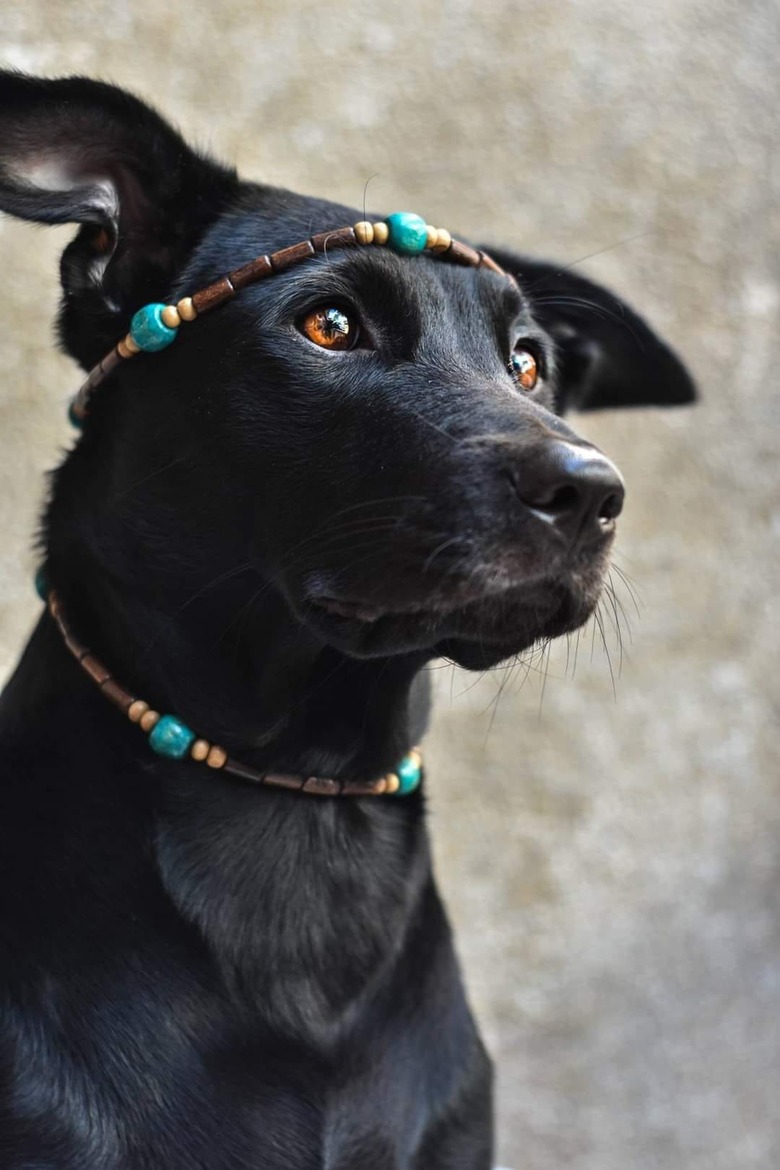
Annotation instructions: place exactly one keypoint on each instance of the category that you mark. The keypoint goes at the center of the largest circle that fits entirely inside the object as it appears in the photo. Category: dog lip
(342, 607)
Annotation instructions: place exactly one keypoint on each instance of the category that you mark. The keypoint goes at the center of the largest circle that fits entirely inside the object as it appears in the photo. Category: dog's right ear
(79, 151)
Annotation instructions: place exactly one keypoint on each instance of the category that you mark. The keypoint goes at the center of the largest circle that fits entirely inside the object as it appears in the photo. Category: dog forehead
(433, 288)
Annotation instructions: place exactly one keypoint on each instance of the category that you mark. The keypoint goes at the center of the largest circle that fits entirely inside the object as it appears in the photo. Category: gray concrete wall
(611, 861)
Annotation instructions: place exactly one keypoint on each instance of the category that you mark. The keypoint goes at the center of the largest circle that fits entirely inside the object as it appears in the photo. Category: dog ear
(607, 355)
(79, 151)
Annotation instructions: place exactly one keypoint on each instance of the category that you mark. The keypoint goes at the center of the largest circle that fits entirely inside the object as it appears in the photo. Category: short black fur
(272, 541)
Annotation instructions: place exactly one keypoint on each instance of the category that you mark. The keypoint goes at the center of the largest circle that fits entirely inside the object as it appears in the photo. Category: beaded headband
(155, 326)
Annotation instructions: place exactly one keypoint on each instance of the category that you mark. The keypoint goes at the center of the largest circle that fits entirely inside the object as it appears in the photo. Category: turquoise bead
(170, 737)
(42, 583)
(408, 232)
(409, 774)
(74, 419)
(148, 330)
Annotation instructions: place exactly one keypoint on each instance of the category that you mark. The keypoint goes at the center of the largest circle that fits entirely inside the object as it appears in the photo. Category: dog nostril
(557, 502)
(611, 507)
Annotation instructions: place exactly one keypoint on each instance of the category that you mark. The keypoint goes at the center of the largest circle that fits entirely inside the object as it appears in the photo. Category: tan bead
(381, 786)
(200, 749)
(416, 756)
(124, 350)
(364, 232)
(443, 240)
(186, 309)
(149, 719)
(392, 783)
(216, 758)
(131, 345)
(170, 317)
(381, 233)
(137, 710)
(432, 237)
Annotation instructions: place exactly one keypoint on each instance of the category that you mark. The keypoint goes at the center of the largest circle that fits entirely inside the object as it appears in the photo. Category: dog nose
(574, 488)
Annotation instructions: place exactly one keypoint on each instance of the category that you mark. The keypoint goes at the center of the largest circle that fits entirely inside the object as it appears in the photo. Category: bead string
(155, 326)
(170, 737)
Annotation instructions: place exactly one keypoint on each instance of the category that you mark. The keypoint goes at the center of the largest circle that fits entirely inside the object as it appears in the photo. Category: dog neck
(243, 671)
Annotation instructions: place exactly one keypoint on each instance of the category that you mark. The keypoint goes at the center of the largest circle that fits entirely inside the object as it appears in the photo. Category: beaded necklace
(170, 737)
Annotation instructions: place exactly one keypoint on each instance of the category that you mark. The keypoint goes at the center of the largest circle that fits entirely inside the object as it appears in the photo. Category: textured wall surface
(611, 860)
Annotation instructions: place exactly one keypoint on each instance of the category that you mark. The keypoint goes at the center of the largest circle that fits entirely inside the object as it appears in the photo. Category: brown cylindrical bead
(321, 786)
(249, 273)
(288, 257)
(117, 694)
(214, 294)
(364, 787)
(463, 254)
(109, 362)
(77, 649)
(282, 780)
(95, 669)
(327, 241)
(489, 263)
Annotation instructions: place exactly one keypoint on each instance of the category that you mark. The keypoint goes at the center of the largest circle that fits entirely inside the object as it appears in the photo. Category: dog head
(375, 441)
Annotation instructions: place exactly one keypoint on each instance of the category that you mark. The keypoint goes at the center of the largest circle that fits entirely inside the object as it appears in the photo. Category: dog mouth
(476, 627)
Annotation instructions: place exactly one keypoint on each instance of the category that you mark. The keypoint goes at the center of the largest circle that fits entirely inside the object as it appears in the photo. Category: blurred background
(610, 853)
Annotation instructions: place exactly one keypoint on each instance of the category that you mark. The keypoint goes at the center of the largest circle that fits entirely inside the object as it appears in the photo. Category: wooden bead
(364, 232)
(381, 233)
(123, 349)
(208, 298)
(137, 710)
(416, 755)
(170, 317)
(443, 240)
(288, 257)
(463, 254)
(186, 309)
(380, 785)
(131, 345)
(200, 749)
(149, 719)
(216, 757)
(392, 783)
(432, 235)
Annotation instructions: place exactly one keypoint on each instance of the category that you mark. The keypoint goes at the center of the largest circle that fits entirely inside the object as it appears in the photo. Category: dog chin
(476, 635)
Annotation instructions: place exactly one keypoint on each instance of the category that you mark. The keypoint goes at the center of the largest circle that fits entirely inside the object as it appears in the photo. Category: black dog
(270, 535)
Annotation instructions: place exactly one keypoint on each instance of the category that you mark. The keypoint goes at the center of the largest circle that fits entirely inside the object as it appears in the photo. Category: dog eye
(525, 368)
(330, 328)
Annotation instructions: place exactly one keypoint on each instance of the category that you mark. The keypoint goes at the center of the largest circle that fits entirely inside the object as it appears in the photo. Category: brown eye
(330, 328)
(525, 369)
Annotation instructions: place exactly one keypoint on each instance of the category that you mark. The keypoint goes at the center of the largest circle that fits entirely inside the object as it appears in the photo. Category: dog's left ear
(79, 151)
(607, 355)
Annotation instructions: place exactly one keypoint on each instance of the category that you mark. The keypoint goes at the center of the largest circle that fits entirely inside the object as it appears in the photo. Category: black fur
(197, 973)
